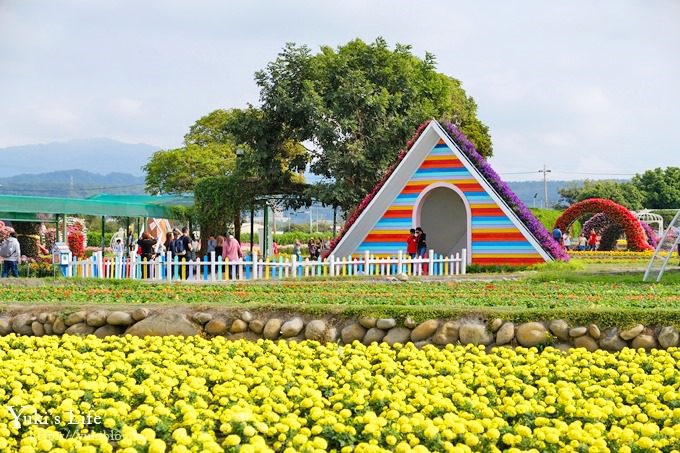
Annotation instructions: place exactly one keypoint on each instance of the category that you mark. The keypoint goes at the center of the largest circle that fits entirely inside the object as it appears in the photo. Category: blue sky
(584, 87)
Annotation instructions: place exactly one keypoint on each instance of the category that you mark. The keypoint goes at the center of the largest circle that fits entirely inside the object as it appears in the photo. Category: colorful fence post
(331, 264)
(100, 264)
(255, 266)
(293, 266)
(247, 268)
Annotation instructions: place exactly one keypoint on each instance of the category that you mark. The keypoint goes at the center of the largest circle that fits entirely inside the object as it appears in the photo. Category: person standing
(186, 241)
(592, 241)
(167, 245)
(212, 243)
(582, 242)
(146, 244)
(412, 243)
(566, 240)
(422, 242)
(11, 252)
(118, 249)
(311, 247)
(297, 250)
(219, 246)
(557, 235)
(232, 252)
(231, 249)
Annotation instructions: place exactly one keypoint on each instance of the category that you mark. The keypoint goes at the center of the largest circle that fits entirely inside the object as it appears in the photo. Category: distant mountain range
(532, 193)
(97, 155)
(72, 184)
(81, 168)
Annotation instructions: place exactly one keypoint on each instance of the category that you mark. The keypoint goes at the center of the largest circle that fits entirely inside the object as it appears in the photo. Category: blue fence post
(246, 267)
(162, 269)
(219, 267)
(205, 267)
(175, 265)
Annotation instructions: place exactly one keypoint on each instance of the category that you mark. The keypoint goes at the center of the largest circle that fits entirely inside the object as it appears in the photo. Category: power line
(569, 173)
(597, 174)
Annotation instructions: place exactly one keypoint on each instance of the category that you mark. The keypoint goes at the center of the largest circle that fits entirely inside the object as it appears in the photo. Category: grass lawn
(591, 293)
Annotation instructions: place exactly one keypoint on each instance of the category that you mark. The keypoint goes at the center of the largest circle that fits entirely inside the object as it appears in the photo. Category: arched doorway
(444, 214)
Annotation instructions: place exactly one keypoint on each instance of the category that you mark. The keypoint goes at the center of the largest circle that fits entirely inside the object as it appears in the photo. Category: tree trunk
(237, 226)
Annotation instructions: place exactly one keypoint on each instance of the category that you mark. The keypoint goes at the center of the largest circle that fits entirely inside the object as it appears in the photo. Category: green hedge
(289, 238)
(94, 238)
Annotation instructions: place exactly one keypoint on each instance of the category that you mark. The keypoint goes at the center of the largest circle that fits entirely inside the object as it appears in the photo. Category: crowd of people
(181, 244)
(581, 244)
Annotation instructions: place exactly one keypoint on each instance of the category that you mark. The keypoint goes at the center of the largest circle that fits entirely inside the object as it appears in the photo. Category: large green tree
(621, 192)
(269, 163)
(207, 151)
(661, 187)
(355, 107)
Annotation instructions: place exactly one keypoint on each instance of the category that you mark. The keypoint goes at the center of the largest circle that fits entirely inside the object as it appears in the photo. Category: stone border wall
(238, 324)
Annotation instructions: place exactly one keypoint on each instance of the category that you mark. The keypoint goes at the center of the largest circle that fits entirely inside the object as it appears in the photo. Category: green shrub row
(94, 238)
(289, 238)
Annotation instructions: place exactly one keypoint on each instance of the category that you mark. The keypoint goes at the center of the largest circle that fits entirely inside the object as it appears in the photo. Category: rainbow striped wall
(495, 239)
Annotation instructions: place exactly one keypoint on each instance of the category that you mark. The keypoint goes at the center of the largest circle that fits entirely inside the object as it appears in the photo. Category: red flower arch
(635, 235)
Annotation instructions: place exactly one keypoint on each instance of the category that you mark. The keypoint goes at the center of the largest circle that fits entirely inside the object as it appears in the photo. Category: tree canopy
(653, 189)
(342, 113)
(356, 106)
(621, 192)
(207, 151)
(661, 187)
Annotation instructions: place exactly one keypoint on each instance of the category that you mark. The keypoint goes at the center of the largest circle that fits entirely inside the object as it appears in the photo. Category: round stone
(531, 334)
(586, 341)
(352, 332)
(424, 330)
(505, 334)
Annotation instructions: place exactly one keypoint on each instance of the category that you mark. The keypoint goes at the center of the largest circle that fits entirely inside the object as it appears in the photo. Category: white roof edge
(420, 138)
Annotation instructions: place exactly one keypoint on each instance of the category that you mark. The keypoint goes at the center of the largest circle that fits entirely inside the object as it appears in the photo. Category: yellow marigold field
(75, 394)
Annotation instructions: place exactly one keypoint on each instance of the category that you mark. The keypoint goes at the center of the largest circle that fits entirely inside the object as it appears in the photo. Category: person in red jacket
(412, 243)
(592, 240)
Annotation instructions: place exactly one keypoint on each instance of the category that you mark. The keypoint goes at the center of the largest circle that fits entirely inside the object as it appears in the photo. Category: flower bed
(571, 291)
(212, 395)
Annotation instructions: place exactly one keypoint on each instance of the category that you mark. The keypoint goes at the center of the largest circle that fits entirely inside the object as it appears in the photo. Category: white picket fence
(212, 268)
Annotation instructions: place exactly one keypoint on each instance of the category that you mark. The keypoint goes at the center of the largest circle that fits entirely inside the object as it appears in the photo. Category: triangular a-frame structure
(438, 187)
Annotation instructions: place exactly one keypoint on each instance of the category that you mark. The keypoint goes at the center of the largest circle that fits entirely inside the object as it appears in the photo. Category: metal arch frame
(671, 226)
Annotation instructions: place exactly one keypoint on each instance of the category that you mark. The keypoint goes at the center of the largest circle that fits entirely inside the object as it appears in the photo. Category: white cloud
(126, 108)
(59, 116)
(554, 81)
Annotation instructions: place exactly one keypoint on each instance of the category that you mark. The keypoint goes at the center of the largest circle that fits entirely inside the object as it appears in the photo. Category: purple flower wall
(504, 191)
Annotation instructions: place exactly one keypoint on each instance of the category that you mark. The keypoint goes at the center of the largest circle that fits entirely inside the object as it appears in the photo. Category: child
(118, 248)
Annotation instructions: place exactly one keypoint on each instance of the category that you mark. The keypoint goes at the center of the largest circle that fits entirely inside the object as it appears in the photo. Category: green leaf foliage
(661, 187)
(358, 105)
(621, 192)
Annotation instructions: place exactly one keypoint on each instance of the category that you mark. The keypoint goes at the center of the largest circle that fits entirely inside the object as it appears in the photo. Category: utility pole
(545, 172)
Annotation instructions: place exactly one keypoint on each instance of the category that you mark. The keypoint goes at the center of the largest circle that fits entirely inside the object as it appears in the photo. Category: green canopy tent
(21, 208)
